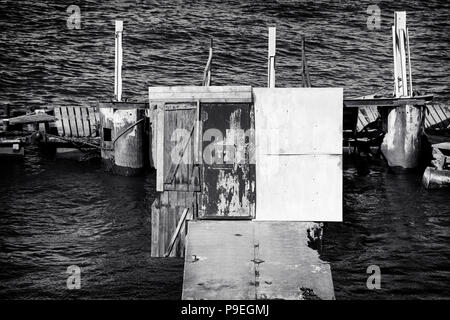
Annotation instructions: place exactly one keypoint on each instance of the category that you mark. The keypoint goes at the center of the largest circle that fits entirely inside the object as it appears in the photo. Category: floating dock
(252, 260)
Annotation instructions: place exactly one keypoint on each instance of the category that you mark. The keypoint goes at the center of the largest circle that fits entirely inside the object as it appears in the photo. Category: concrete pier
(403, 125)
(254, 260)
(404, 129)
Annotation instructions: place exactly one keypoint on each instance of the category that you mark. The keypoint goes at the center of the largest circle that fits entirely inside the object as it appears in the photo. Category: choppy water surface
(54, 214)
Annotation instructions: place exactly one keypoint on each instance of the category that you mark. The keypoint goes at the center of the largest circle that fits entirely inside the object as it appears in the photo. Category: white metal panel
(299, 120)
(299, 188)
(298, 154)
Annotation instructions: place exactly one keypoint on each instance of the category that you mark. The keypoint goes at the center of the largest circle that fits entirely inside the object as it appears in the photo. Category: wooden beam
(30, 119)
(203, 94)
(119, 105)
(160, 149)
(388, 102)
(176, 233)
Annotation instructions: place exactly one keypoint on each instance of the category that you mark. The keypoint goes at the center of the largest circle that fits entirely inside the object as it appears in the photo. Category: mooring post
(106, 110)
(271, 57)
(128, 143)
(404, 125)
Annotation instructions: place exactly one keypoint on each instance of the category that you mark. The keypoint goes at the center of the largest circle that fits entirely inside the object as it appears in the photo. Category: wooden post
(404, 125)
(118, 61)
(271, 58)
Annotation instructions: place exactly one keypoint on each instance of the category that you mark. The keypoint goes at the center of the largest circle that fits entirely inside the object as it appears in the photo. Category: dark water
(390, 221)
(54, 214)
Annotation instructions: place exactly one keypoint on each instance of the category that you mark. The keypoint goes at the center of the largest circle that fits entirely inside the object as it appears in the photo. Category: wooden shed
(210, 158)
(228, 158)
(202, 140)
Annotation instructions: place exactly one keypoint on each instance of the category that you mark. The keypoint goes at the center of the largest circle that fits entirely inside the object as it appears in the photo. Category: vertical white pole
(400, 54)
(271, 58)
(394, 51)
(118, 61)
(409, 63)
(401, 144)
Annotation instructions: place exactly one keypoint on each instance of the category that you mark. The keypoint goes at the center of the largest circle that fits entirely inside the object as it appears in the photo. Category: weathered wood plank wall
(166, 212)
(76, 121)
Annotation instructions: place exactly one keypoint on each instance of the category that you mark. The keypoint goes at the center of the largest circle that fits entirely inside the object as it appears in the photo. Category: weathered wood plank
(155, 212)
(160, 149)
(97, 114)
(166, 213)
(120, 105)
(93, 123)
(59, 121)
(85, 121)
(203, 94)
(388, 102)
(66, 122)
(179, 130)
(31, 119)
(79, 121)
(72, 121)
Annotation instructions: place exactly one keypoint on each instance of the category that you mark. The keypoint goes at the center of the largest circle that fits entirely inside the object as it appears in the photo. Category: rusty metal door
(228, 169)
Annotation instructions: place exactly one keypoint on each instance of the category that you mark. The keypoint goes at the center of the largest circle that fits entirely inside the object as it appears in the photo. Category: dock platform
(253, 260)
